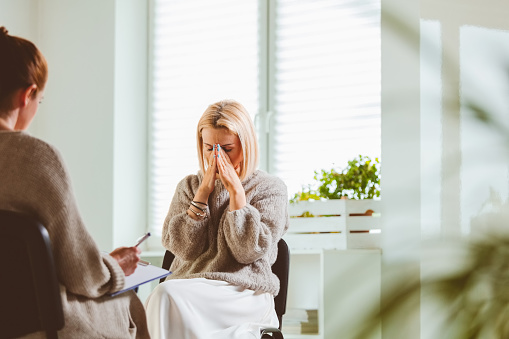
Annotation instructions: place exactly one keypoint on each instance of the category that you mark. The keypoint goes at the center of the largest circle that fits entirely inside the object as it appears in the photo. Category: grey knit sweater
(239, 246)
(33, 180)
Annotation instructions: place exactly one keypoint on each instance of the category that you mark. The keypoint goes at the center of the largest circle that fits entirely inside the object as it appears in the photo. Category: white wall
(439, 162)
(473, 35)
(400, 183)
(130, 121)
(94, 109)
(466, 160)
(20, 17)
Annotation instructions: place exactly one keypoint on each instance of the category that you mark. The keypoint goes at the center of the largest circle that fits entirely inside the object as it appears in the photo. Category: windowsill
(153, 254)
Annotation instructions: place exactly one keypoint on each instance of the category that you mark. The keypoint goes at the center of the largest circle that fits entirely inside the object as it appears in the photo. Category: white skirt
(208, 309)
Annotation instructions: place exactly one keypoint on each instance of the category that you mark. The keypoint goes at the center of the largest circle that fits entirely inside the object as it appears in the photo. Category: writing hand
(127, 258)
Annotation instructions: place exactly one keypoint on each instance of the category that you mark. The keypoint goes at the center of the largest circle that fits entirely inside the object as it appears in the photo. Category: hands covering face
(221, 165)
(228, 174)
(223, 152)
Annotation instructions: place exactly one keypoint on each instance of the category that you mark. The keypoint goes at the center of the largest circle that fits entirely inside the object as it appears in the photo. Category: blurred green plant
(360, 179)
(461, 290)
(469, 299)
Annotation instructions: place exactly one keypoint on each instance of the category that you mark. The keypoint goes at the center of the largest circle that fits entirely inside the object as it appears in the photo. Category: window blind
(310, 68)
(201, 52)
(326, 95)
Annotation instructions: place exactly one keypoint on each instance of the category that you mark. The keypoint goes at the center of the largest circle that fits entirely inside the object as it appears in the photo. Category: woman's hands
(227, 173)
(220, 165)
(208, 182)
(229, 176)
(127, 258)
(209, 179)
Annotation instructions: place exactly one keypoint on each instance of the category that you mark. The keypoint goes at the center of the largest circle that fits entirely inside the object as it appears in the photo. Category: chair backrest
(30, 291)
(281, 268)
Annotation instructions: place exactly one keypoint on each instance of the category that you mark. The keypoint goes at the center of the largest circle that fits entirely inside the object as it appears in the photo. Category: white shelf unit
(302, 336)
(337, 224)
(340, 284)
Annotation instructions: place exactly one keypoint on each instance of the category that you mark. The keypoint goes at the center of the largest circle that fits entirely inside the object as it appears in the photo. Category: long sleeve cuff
(117, 274)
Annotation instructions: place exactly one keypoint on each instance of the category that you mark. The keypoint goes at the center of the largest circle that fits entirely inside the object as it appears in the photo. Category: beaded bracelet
(203, 216)
(192, 208)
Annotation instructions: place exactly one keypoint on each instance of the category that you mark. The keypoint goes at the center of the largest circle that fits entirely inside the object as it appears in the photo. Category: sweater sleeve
(182, 235)
(253, 230)
(81, 267)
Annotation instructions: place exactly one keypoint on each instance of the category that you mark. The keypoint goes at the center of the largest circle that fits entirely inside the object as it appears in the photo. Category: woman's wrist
(197, 213)
(237, 199)
(201, 196)
(237, 190)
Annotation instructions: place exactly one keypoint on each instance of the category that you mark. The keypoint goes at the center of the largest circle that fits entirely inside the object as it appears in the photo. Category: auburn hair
(21, 65)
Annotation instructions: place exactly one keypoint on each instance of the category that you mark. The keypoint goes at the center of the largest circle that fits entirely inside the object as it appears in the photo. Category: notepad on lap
(143, 274)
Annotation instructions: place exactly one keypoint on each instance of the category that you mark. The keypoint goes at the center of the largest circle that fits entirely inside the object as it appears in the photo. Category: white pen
(142, 239)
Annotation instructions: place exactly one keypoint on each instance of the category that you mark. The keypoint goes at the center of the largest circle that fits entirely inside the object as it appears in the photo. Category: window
(326, 97)
(201, 51)
(307, 71)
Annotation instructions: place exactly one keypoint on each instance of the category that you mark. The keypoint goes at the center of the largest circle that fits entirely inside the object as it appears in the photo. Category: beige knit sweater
(239, 246)
(33, 180)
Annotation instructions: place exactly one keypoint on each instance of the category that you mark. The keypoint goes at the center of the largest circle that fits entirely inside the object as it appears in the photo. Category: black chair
(281, 269)
(30, 290)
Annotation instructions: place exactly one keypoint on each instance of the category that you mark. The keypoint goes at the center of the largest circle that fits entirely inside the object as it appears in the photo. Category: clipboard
(144, 273)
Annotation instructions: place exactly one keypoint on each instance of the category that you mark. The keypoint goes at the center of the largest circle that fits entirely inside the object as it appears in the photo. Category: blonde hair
(231, 115)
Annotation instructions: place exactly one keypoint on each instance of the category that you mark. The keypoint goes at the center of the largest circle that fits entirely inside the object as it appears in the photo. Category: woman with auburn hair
(223, 226)
(34, 181)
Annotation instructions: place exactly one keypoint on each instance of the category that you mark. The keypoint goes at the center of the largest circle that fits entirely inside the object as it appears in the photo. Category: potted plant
(340, 195)
(360, 179)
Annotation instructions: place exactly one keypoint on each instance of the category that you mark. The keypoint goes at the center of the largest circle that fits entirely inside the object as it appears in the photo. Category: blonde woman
(223, 226)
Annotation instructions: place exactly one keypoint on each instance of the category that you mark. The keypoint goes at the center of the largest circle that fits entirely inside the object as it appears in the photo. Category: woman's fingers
(225, 159)
(222, 160)
(227, 173)
(209, 178)
(127, 258)
(231, 181)
(212, 163)
(210, 174)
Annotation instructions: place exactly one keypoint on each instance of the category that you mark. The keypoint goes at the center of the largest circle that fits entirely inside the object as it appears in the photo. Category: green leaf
(360, 179)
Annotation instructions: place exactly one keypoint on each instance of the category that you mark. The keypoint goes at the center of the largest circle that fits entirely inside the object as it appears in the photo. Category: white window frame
(263, 118)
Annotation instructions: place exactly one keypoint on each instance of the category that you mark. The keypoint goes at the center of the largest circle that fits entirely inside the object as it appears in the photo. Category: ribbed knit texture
(33, 180)
(239, 246)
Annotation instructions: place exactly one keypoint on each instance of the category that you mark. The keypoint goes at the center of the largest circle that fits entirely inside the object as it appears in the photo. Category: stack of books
(300, 321)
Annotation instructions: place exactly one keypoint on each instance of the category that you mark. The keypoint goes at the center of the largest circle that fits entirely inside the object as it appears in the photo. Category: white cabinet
(340, 284)
(336, 224)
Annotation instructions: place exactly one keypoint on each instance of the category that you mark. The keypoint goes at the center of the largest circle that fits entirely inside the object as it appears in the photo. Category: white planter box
(335, 225)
